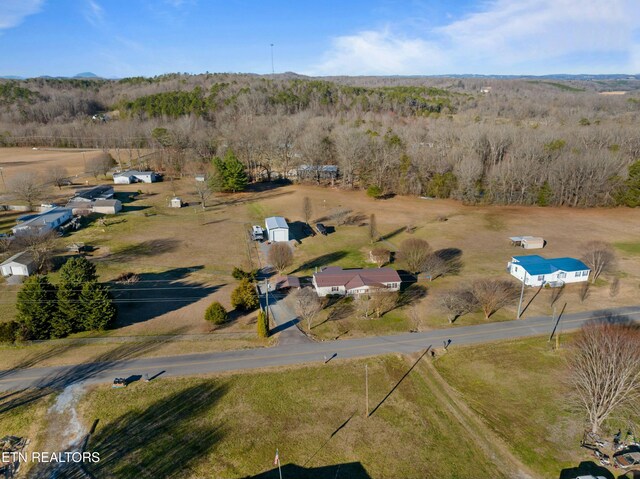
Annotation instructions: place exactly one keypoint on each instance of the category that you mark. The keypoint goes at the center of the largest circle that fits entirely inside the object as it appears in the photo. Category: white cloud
(94, 13)
(13, 12)
(504, 37)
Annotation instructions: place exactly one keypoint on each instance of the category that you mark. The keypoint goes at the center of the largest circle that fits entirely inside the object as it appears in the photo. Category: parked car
(322, 229)
(119, 383)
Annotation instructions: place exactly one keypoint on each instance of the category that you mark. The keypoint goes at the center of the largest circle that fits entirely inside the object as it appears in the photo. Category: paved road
(194, 364)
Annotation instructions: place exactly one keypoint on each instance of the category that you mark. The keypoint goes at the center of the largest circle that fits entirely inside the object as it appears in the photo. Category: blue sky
(117, 38)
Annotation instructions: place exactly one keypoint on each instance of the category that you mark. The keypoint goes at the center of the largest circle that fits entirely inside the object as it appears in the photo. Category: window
(562, 275)
(541, 277)
(334, 288)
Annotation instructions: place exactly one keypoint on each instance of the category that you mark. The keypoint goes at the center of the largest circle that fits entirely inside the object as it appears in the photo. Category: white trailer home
(43, 222)
(134, 176)
(20, 264)
(277, 229)
(535, 270)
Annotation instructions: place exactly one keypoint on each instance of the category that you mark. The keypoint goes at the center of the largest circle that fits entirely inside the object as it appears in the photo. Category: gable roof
(355, 278)
(23, 257)
(536, 265)
(106, 202)
(44, 218)
(91, 193)
(133, 173)
(274, 222)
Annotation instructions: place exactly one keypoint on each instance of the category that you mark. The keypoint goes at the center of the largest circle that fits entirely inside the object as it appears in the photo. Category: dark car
(322, 229)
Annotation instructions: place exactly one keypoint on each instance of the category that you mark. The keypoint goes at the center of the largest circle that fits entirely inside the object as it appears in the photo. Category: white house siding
(122, 180)
(279, 234)
(558, 276)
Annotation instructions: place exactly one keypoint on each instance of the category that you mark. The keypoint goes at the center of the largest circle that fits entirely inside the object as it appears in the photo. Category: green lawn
(230, 426)
(629, 248)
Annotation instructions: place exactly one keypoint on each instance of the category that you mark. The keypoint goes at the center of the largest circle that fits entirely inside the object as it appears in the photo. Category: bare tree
(40, 246)
(458, 302)
(57, 175)
(600, 257)
(380, 256)
(26, 186)
(493, 294)
(307, 210)
(373, 229)
(280, 256)
(307, 305)
(614, 288)
(383, 301)
(340, 215)
(100, 165)
(414, 253)
(203, 192)
(605, 369)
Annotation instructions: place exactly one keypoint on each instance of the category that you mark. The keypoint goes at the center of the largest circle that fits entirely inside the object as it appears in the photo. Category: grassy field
(229, 427)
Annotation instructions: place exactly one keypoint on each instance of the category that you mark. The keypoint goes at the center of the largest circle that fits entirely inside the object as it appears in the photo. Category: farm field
(475, 411)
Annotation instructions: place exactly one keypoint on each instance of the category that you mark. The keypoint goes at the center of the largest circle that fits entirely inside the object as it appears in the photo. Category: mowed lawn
(230, 426)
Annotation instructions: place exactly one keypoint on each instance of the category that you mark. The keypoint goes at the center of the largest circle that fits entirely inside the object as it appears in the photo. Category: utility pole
(266, 308)
(273, 71)
(4, 185)
(524, 279)
(366, 386)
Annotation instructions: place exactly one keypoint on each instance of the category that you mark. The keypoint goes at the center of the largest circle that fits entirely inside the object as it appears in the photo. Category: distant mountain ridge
(554, 76)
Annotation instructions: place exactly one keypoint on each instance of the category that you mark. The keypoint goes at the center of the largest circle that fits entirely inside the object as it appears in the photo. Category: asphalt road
(314, 352)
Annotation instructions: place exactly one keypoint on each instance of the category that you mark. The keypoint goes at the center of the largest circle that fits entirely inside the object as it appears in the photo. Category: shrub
(240, 274)
(216, 313)
(8, 331)
(263, 325)
(374, 192)
(244, 297)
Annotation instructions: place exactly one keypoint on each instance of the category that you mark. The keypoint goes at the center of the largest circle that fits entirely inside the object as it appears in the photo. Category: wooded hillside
(508, 141)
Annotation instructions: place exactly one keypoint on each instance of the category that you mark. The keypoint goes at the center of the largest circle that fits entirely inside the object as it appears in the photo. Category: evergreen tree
(244, 297)
(36, 307)
(630, 194)
(95, 307)
(228, 174)
(545, 193)
(74, 274)
(263, 325)
(216, 313)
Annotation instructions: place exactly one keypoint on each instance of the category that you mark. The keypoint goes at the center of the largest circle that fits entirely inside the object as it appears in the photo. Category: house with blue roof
(534, 270)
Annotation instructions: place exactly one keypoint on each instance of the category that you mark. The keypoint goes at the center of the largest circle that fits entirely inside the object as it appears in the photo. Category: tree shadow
(38, 357)
(321, 261)
(352, 470)
(400, 381)
(340, 311)
(64, 376)
(585, 469)
(155, 294)
(410, 295)
(164, 440)
(144, 249)
(393, 233)
(614, 317)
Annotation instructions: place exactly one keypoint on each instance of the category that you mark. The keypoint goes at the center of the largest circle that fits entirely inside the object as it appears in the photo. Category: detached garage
(277, 229)
(20, 264)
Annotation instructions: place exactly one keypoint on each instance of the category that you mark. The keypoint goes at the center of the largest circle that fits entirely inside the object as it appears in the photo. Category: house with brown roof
(335, 280)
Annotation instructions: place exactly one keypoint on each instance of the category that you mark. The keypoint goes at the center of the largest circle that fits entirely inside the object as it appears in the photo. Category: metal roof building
(277, 228)
(535, 270)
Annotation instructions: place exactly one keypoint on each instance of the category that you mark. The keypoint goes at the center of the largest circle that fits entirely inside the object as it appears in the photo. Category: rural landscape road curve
(204, 363)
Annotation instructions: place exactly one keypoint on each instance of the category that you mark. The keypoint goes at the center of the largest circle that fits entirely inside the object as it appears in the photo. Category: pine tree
(263, 325)
(235, 177)
(74, 274)
(36, 307)
(244, 297)
(96, 307)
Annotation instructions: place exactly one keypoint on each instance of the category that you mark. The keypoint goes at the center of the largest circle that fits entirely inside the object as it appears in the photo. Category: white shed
(175, 203)
(107, 207)
(277, 228)
(20, 264)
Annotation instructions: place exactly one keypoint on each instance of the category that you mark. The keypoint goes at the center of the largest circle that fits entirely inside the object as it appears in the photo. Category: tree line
(526, 142)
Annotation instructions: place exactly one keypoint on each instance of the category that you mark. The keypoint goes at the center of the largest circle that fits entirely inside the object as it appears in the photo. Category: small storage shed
(20, 264)
(175, 203)
(107, 207)
(527, 242)
(277, 228)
